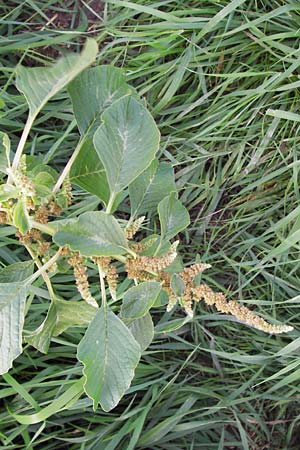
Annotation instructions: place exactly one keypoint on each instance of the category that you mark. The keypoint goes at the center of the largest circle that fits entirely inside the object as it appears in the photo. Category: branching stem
(21, 145)
(42, 270)
(43, 274)
(68, 166)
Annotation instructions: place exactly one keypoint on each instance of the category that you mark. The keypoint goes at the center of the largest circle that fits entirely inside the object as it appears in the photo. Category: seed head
(80, 275)
(133, 228)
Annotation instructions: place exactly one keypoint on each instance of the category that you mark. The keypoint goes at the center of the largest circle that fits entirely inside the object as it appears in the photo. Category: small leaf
(93, 91)
(12, 309)
(138, 300)
(7, 191)
(35, 167)
(149, 188)
(21, 217)
(110, 354)
(39, 84)
(168, 327)
(92, 234)
(177, 285)
(61, 316)
(43, 184)
(126, 142)
(142, 330)
(162, 299)
(173, 217)
(4, 152)
(40, 338)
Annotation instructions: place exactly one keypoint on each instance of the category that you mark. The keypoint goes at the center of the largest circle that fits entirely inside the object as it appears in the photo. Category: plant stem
(43, 273)
(68, 166)
(44, 228)
(110, 203)
(45, 267)
(21, 145)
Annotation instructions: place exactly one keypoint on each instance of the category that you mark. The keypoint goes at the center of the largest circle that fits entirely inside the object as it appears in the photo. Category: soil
(70, 20)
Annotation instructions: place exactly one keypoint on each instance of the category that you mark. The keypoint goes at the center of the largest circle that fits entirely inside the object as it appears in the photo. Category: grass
(221, 79)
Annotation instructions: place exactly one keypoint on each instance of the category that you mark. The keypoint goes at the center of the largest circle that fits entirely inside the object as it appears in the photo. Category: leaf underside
(126, 142)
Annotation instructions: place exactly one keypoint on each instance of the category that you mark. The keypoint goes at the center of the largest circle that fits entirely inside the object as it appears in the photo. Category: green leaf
(138, 300)
(12, 309)
(93, 91)
(177, 285)
(4, 152)
(173, 217)
(10, 292)
(149, 188)
(126, 142)
(110, 354)
(173, 325)
(162, 299)
(61, 316)
(40, 338)
(19, 271)
(142, 330)
(7, 191)
(21, 217)
(92, 234)
(40, 84)
(43, 184)
(88, 172)
(35, 167)
(72, 314)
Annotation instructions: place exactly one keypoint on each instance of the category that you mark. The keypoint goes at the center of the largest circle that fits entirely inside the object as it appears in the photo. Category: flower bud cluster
(218, 300)
(81, 279)
(133, 228)
(109, 272)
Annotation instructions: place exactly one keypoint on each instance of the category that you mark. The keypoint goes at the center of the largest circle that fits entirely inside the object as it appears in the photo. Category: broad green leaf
(93, 91)
(92, 234)
(16, 272)
(21, 217)
(88, 172)
(173, 217)
(40, 84)
(177, 285)
(12, 308)
(4, 151)
(126, 142)
(61, 316)
(142, 330)
(138, 300)
(110, 355)
(9, 292)
(149, 188)
(72, 314)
